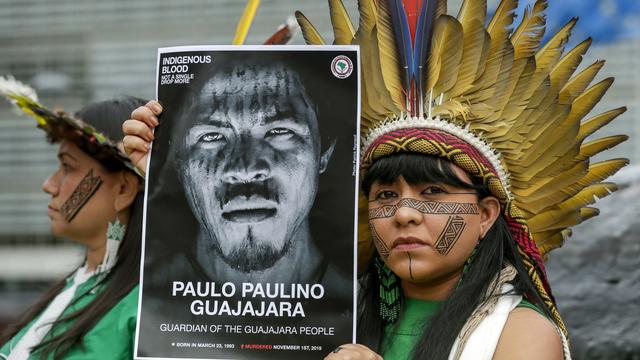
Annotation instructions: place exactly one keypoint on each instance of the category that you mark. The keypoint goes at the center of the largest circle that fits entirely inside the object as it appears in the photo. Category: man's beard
(250, 256)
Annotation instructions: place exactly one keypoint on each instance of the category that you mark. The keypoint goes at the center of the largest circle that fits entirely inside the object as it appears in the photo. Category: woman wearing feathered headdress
(96, 201)
(473, 168)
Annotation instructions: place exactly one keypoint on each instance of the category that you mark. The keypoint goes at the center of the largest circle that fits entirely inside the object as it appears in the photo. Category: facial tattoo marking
(425, 207)
(410, 272)
(450, 234)
(82, 193)
(383, 249)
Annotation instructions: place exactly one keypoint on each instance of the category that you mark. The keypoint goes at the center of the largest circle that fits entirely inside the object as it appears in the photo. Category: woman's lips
(408, 243)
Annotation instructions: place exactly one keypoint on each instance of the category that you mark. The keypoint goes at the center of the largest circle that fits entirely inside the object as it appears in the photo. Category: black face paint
(425, 207)
(383, 249)
(410, 271)
(79, 197)
(450, 234)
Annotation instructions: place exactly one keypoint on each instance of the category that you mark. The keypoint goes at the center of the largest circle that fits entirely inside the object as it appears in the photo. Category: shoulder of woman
(529, 335)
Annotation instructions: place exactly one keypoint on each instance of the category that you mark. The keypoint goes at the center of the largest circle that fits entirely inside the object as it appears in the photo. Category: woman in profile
(96, 200)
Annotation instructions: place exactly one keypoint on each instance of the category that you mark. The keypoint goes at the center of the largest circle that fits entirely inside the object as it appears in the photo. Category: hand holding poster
(249, 238)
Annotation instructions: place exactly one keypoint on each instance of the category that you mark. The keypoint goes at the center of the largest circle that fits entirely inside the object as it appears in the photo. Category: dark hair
(494, 252)
(106, 116)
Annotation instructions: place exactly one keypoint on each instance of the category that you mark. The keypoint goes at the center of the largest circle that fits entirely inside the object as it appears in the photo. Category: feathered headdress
(492, 100)
(60, 125)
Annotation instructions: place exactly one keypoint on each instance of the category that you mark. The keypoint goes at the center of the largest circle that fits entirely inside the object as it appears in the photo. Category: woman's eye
(385, 195)
(279, 132)
(430, 190)
(211, 137)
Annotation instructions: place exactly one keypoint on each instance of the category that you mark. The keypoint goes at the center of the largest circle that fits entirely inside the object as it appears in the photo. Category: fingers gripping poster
(251, 197)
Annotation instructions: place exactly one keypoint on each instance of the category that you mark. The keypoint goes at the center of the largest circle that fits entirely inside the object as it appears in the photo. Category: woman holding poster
(96, 201)
(473, 168)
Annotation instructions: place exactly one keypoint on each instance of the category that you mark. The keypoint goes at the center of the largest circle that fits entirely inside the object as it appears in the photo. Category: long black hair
(106, 116)
(494, 251)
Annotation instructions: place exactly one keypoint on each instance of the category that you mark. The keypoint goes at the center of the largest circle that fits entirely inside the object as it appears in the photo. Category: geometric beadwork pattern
(450, 234)
(425, 207)
(82, 193)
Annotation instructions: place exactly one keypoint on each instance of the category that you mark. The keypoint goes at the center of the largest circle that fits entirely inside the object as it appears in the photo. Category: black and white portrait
(252, 184)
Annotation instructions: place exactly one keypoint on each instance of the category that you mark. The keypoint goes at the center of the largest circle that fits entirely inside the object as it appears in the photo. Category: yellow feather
(569, 127)
(558, 143)
(574, 155)
(309, 32)
(596, 173)
(448, 48)
(376, 101)
(579, 83)
(587, 196)
(549, 240)
(526, 38)
(551, 52)
(587, 213)
(596, 146)
(564, 220)
(368, 14)
(548, 57)
(341, 22)
(586, 101)
(529, 191)
(518, 100)
(503, 18)
(498, 31)
(388, 52)
(505, 86)
(472, 11)
(441, 8)
(538, 125)
(451, 109)
(584, 153)
(476, 47)
(568, 65)
(564, 160)
(245, 22)
(592, 125)
(379, 94)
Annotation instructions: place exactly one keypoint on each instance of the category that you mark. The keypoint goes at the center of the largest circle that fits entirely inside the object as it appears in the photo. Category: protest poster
(251, 201)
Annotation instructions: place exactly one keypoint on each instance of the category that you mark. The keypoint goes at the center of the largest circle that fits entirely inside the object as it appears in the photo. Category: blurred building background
(74, 52)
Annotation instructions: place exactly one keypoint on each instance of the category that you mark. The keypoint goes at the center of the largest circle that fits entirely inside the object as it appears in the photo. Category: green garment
(399, 340)
(111, 338)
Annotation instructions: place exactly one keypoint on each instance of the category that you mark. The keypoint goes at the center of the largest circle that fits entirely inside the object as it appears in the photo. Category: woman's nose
(50, 184)
(406, 215)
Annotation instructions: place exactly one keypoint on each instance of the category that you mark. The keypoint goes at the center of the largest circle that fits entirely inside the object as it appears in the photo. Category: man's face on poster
(250, 163)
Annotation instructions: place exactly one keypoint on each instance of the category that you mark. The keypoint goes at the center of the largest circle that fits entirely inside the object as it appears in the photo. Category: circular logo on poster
(341, 67)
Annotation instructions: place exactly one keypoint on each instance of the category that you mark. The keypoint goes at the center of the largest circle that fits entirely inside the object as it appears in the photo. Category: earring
(389, 293)
(115, 234)
(468, 262)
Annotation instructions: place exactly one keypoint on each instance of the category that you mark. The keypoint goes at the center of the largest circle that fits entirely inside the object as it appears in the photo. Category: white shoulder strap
(482, 342)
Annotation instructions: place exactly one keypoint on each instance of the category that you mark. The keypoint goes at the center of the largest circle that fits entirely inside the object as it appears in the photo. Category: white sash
(42, 326)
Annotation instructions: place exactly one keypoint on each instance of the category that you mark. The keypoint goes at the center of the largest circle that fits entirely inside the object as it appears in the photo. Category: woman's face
(425, 232)
(83, 196)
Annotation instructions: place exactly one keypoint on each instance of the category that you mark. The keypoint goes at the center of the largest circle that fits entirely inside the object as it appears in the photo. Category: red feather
(412, 10)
